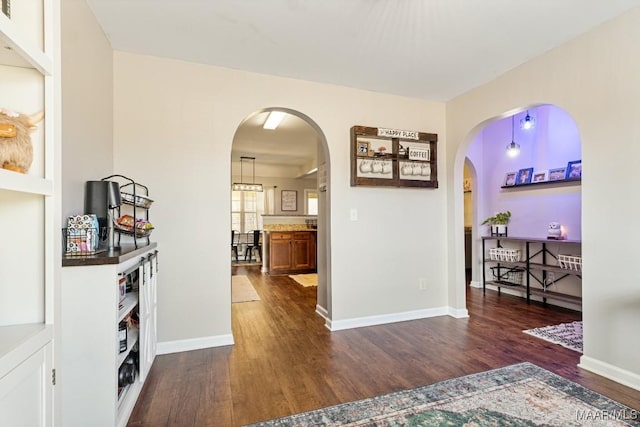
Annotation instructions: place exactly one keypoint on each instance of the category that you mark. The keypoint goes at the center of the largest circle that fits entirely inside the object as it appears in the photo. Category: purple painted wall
(552, 143)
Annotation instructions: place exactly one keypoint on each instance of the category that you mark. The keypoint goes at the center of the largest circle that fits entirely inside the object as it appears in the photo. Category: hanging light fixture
(513, 149)
(528, 122)
(242, 185)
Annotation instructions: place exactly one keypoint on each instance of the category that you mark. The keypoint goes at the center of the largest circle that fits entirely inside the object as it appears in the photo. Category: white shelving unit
(30, 215)
(91, 356)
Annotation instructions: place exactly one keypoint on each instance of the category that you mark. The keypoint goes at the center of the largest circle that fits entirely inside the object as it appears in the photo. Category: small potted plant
(499, 223)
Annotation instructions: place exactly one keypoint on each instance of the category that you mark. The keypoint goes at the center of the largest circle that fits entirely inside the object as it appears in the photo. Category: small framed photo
(574, 170)
(510, 179)
(557, 174)
(289, 200)
(362, 148)
(540, 176)
(524, 176)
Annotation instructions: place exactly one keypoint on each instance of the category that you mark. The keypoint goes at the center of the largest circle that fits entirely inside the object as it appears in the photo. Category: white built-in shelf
(132, 338)
(17, 342)
(128, 303)
(24, 183)
(17, 51)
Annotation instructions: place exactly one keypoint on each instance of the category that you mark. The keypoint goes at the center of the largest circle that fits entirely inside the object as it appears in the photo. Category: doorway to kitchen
(286, 188)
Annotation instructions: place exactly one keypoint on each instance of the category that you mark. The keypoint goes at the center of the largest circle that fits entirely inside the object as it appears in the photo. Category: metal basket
(507, 276)
(570, 262)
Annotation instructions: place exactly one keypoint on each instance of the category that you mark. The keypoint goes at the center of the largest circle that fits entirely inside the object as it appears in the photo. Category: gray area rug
(568, 335)
(516, 395)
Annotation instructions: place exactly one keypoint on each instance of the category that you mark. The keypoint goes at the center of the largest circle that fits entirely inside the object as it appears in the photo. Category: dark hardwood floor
(285, 361)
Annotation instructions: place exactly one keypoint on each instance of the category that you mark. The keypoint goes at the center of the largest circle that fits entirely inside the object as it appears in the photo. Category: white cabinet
(30, 215)
(92, 311)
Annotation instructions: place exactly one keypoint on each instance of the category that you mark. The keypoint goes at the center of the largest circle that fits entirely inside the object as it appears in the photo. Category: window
(311, 202)
(247, 208)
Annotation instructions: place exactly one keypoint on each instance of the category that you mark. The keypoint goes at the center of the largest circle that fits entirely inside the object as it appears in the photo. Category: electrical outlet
(353, 214)
(422, 283)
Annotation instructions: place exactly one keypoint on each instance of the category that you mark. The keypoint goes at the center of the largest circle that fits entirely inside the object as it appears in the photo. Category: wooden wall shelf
(560, 182)
(393, 158)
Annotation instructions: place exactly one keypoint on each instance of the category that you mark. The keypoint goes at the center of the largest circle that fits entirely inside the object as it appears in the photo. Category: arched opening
(292, 164)
(535, 186)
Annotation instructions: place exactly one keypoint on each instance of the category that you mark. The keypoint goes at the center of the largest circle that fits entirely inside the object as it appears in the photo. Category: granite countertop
(116, 256)
(287, 227)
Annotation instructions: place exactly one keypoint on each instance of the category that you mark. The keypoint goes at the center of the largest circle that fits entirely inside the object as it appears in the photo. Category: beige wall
(174, 127)
(87, 104)
(595, 79)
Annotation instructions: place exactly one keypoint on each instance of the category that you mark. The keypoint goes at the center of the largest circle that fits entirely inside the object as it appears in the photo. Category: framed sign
(289, 200)
(393, 158)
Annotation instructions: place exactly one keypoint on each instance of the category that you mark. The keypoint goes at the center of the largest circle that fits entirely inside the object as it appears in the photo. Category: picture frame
(574, 170)
(510, 179)
(540, 176)
(6, 7)
(557, 174)
(524, 176)
(362, 148)
(289, 200)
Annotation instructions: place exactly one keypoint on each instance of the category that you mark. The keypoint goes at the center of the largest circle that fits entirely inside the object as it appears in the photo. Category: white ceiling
(430, 49)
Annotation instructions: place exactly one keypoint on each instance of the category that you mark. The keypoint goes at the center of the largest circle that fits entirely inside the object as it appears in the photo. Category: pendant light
(513, 149)
(242, 185)
(528, 122)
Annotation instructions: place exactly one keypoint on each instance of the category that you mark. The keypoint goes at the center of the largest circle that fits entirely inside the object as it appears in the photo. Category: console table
(537, 258)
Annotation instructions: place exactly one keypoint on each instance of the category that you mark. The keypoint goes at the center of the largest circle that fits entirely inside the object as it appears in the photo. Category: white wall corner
(458, 313)
(475, 284)
(360, 322)
(168, 347)
(622, 376)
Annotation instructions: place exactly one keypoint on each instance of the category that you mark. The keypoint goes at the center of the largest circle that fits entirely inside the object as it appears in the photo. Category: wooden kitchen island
(289, 251)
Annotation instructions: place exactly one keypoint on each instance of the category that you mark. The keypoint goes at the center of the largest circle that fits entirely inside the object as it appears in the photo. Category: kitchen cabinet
(107, 335)
(30, 216)
(292, 251)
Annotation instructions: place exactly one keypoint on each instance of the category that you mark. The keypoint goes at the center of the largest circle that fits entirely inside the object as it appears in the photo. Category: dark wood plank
(285, 361)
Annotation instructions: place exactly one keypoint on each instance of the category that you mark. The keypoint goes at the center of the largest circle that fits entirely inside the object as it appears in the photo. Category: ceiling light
(528, 122)
(273, 120)
(513, 149)
(244, 186)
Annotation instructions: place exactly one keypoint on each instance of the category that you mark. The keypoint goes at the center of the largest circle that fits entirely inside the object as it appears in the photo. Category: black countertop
(116, 256)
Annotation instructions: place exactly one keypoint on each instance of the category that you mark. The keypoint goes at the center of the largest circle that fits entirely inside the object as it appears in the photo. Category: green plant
(501, 218)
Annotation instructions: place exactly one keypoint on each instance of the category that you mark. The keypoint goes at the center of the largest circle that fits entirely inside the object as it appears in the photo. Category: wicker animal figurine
(16, 151)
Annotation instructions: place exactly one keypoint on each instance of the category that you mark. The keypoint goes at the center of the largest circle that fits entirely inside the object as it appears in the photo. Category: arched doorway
(288, 158)
(551, 144)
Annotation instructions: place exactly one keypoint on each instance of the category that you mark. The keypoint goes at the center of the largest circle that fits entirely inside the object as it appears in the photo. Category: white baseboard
(458, 313)
(614, 373)
(475, 284)
(322, 312)
(168, 347)
(360, 322)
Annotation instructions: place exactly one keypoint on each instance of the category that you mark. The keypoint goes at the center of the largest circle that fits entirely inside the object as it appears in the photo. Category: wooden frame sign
(393, 158)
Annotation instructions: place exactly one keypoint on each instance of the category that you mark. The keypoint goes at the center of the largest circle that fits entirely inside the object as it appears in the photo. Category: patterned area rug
(517, 395)
(242, 290)
(305, 280)
(568, 335)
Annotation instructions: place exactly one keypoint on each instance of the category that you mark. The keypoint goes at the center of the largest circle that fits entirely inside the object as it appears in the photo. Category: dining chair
(235, 242)
(253, 242)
